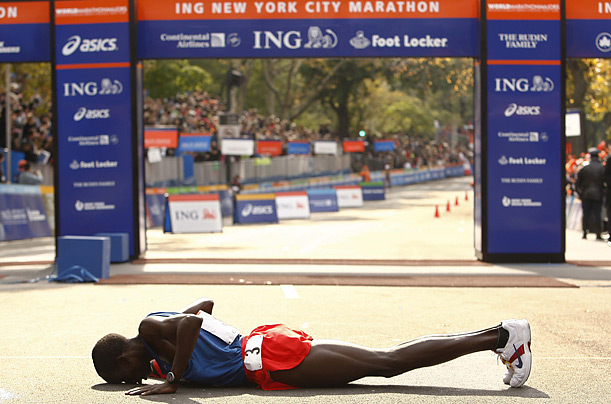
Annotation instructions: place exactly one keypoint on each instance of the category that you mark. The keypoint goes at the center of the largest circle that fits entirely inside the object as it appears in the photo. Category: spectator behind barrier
(27, 176)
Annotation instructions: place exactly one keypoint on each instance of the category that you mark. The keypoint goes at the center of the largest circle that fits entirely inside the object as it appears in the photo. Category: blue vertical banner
(93, 77)
(25, 31)
(523, 115)
(588, 29)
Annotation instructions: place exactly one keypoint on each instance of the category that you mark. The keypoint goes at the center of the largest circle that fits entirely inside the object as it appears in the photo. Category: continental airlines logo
(89, 45)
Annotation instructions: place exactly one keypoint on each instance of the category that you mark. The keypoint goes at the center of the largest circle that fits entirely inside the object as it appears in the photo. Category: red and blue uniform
(217, 363)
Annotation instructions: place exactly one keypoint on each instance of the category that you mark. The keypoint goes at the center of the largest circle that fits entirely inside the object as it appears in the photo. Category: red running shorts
(281, 348)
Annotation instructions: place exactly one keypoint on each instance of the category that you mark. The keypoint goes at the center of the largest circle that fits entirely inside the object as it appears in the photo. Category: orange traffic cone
(466, 195)
(436, 210)
(456, 202)
(448, 207)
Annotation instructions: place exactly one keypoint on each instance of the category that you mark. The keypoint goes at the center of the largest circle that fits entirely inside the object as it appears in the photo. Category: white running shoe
(516, 355)
(508, 375)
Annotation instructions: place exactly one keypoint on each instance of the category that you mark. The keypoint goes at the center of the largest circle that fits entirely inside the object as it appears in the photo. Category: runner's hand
(160, 388)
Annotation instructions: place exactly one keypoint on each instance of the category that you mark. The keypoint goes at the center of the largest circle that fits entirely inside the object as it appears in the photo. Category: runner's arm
(182, 330)
(203, 304)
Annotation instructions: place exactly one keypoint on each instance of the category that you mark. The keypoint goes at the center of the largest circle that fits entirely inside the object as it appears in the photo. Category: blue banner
(523, 40)
(95, 189)
(24, 43)
(588, 38)
(25, 31)
(298, 148)
(190, 143)
(455, 37)
(323, 200)
(256, 211)
(107, 43)
(373, 191)
(383, 145)
(524, 148)
(22, 213)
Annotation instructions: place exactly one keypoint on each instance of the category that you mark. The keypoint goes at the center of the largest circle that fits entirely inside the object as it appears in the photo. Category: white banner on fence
(349, 196)
(238, 147)
(325, 147)
(195, 213)
(292, 205)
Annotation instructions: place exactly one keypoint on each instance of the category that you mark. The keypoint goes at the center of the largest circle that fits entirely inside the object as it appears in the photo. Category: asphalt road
(48, 329)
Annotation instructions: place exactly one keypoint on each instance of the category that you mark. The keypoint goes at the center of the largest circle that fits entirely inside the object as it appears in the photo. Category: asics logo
(521, 110)
(89, 45)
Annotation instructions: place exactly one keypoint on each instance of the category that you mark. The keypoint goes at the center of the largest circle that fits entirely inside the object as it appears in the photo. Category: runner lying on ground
(196, 347)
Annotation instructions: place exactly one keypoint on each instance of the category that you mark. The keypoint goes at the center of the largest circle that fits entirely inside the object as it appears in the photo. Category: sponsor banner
(383, 145)
(298, 147)
(523, 40)
(325, 147)
(308, 38)
(25, 32)
(237, 147)
(194, 214)
(354, 146)
(414, 177)
(22, 213)
(161, 137)
(323, 200)
(590, 38)
(457, 170)
(523, 10)
(373, 191)
(94, 131)
(259, 208)
(300, 9)
(349, 196)
(292, 205)
(155, 210)
(99, 43)
(194, 142)
(91, 12)
(269, 147)
(523, 159)
(588, 9)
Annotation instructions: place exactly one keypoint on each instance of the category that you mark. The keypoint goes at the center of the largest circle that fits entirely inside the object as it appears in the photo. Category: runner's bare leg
(332, 363)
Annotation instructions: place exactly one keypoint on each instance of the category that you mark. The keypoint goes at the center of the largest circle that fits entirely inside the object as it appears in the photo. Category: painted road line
(289, 291)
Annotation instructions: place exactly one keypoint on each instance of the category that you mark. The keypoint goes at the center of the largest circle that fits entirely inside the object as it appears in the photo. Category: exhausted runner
(196, 347)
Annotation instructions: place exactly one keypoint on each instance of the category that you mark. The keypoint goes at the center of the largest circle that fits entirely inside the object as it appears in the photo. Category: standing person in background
(28, 176)
(590, 189)
(365, 174)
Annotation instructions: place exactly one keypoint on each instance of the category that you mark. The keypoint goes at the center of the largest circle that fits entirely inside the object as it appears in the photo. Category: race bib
(252, 353)
(217, 328)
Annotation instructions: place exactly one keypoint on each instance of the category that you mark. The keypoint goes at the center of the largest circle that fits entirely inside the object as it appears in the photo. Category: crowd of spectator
(198, 112)
(31, 131)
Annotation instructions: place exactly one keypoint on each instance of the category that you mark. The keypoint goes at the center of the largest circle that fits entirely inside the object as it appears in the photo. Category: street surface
(48, 329)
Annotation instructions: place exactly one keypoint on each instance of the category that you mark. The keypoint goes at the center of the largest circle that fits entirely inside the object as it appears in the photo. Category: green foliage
(166, 78)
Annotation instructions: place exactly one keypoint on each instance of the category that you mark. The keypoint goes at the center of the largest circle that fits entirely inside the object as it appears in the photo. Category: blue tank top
(213, 362)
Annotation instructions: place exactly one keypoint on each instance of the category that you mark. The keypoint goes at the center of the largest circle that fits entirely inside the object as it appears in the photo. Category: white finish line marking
(289, 291)
(5, 395)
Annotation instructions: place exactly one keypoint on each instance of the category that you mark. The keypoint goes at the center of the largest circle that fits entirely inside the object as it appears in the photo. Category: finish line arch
(519, 47)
